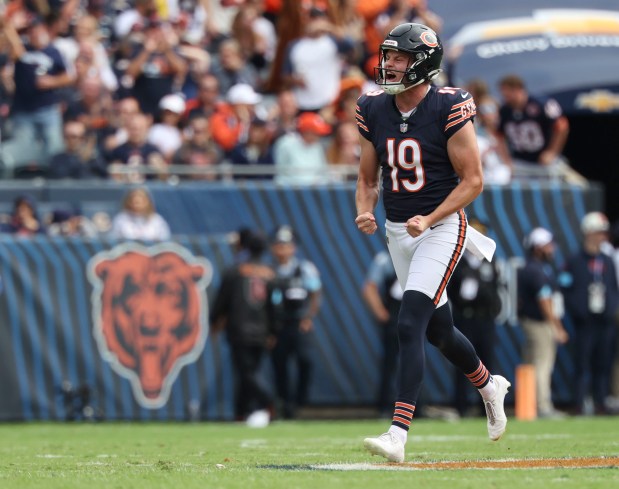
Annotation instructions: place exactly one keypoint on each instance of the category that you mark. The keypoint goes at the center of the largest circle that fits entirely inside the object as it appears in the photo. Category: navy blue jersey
(34, 63)
(529, 131)
(416, 172)
(535, 280)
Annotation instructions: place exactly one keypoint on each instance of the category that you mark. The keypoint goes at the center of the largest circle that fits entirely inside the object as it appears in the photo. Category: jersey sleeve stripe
(461, 119)
(467, 101)
(363, 126)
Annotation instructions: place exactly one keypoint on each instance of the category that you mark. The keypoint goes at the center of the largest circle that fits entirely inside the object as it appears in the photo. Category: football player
(423, 140)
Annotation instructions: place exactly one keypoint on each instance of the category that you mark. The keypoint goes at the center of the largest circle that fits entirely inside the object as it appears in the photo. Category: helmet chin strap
(396, 88)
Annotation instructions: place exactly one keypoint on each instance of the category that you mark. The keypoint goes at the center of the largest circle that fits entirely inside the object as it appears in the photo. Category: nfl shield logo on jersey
(403, 127)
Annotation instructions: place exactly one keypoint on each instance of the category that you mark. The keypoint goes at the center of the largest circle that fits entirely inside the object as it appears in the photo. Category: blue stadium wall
(49, 315)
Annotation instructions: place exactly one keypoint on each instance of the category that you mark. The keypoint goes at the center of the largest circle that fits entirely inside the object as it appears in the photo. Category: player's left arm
(464, 156)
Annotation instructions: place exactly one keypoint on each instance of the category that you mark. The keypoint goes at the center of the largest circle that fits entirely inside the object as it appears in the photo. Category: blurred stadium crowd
(200, 89)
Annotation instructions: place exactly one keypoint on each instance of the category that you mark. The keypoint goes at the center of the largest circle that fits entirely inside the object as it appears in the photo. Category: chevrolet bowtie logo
(598, 101)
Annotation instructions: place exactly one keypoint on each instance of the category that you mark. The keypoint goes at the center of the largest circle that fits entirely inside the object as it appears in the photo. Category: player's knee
(440, 329)
(435, 338)
(415, 312)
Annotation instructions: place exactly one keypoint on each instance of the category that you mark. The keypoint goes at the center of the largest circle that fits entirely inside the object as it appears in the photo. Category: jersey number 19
(407, 156)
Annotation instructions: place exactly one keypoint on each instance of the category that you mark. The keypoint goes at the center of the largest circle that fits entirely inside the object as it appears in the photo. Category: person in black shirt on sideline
(592, 299)
(241, 309)
(295, 302)
(540, 309)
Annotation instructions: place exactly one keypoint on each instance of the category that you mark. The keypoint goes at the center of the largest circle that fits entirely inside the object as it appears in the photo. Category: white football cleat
(495, 409)
(386, 445)
(258, 419)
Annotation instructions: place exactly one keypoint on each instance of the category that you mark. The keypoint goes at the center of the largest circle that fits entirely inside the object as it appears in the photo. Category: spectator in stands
(7, 88)
(199, 151)
(39, 72)
(345, 17)
(230, 124)
(93, 106)
(136, 153)
(105, 13)
(592, 298)
(313, 64)
(284, 113)
(401, 11)
(155, 65)
(86, 38)
(343, 109)
(84, 65)
(256, 37)
(241, 309)
(124, 111)
(540, 313)
(496, 171)
(343, 151)
(231, 68)
(134, 17)
(300, 156)
(208, 99)
(532, 132)
(69, 222)
(198, 61)
(258, 150)
(79, 159)
(166, 134)
(24, 220)
(138, 219)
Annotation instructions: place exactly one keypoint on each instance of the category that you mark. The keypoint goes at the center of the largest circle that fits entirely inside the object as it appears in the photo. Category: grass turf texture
(186, 456)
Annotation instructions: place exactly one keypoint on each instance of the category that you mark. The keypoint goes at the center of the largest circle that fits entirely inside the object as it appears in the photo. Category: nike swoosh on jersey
(464, 95)
(435, 226)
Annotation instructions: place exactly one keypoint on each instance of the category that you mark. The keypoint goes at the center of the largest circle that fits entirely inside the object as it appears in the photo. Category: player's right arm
(368, 189)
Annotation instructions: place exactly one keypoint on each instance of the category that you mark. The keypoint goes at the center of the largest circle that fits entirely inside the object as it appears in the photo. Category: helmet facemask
(410, 77)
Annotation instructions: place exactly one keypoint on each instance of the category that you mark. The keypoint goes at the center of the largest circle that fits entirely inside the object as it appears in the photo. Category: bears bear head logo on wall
(149, 314)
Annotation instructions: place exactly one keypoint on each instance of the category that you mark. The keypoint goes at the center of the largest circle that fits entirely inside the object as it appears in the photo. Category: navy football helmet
(425, 50)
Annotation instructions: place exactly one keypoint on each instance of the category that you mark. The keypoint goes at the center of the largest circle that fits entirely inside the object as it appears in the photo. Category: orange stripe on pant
(454, 258)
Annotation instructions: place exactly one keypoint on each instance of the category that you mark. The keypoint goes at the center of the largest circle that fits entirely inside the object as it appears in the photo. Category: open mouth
(391, 77)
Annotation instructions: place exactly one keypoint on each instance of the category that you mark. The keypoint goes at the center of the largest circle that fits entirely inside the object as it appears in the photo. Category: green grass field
(226, 455)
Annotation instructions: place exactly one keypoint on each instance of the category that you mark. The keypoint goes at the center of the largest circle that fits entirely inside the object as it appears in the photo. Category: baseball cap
(173, 103)
(256, 243)
(283, 234)
(243, 93)
(312, 122)
(538, 237)
(594, 222)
